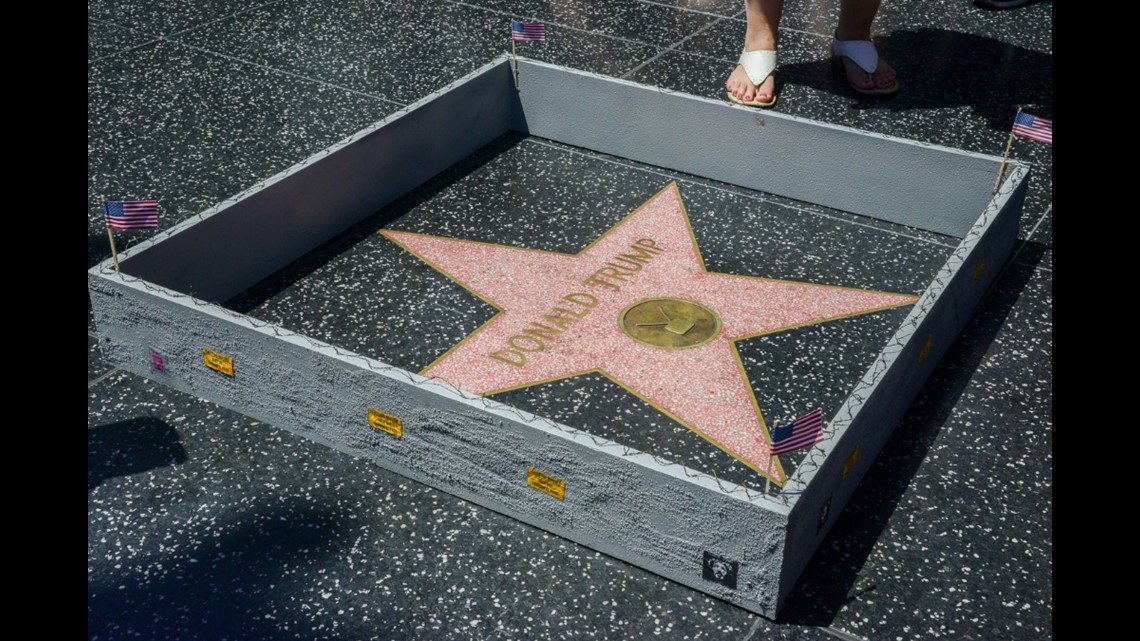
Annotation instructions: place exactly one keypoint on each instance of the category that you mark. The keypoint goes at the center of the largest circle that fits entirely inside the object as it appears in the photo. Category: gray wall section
(933, 188)
(614, 502)
(223, 254)
(951, 299)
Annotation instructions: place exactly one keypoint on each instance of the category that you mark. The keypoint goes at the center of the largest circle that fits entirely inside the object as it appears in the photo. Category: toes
(741, 87)
(861, 79)
(856, 76)
(738, 87)
(735, 86)
(885, 76)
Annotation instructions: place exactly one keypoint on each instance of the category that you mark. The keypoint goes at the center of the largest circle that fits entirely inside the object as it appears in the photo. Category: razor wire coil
(799, 480)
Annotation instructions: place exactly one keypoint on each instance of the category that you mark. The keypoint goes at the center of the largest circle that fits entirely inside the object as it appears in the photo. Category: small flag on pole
(138, 214)
(528, 31)
(802, 432)
(1030, 126)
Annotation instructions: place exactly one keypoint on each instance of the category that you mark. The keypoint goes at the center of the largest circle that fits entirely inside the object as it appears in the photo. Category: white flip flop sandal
(864, 54)
(758, 65)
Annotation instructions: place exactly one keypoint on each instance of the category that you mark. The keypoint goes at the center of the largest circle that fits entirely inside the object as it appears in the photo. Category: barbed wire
(786, 496)
(400, 112)
(195, 218)
(420, 381)
(819, 453)
(796, 485)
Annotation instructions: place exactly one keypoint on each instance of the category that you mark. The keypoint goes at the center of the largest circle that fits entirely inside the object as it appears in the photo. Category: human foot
(752, 83)
(866, 72)
(883, 79)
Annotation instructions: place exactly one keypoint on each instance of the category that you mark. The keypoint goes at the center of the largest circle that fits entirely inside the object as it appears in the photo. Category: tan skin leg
(763, 20)
(855, 18)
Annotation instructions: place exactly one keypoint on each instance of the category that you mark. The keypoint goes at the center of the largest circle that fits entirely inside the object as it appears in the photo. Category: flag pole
(514, 59)
(114, 254)
(1001, 170)
(768, 476)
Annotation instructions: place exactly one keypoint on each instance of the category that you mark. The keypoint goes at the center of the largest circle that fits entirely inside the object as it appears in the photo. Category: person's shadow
(938, 68)
(129, 447)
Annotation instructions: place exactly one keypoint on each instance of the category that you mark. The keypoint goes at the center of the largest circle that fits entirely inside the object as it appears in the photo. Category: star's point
(638, 306)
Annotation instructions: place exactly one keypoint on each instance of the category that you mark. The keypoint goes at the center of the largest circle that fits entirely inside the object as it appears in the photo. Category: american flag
(802, 432)
(136, 214)
(528, 31)
(1031, 126)
(157, 360)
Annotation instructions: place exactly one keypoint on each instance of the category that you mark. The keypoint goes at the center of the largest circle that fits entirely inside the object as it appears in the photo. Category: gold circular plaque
(671, 323)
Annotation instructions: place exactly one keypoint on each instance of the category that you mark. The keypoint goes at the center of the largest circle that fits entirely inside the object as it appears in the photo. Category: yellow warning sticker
(385, 423)
(850, 462)
(216, 361)
(546, 483)
(978, 271)
(925, 348)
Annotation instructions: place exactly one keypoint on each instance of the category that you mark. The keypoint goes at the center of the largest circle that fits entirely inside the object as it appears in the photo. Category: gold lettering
(594, 280)
(650, 245)
(610, 271)
(642, 255)
(535, 337)
(542, 332)
(503, 355)
(514, 342)
(571, 312)
(631, 265)
(624, 270)
(561, 321)
(581, 298)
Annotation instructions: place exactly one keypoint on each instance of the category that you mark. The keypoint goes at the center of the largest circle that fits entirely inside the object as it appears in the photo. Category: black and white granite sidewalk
(203, 524)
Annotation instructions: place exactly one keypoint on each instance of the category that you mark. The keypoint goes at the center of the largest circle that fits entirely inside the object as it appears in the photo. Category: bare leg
(855, 18)
(763, 18)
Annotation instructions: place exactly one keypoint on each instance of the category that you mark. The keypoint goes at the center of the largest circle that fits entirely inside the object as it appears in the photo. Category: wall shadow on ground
(829, 581)
(280, 280)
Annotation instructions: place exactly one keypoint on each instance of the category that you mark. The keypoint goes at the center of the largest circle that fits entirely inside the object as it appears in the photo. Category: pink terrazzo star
(560, 317)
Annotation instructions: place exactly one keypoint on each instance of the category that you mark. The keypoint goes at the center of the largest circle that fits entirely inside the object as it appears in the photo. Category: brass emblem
(671, 323)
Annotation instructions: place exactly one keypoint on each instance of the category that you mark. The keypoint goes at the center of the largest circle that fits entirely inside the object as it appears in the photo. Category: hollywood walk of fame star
(637, 306)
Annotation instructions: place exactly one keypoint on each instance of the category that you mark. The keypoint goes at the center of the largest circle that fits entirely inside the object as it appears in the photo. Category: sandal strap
(861, 52)
(758, 64)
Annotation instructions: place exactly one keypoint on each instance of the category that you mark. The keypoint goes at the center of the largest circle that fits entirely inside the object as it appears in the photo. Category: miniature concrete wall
(935, 188)
(292, 213)
(471, 447)
(881, 399)
(274, 224)
(657, 515)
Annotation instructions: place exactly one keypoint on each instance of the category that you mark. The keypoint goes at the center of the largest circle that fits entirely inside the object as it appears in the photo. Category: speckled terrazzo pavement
(202, 525)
